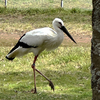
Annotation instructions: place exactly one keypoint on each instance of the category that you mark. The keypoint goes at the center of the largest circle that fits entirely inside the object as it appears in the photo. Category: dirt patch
(8, 39)
(11, 39)
(9, 36)
(82, 39)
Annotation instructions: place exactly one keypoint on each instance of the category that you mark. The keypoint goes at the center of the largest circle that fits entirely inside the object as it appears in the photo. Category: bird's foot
(34, 91)
(51, 85)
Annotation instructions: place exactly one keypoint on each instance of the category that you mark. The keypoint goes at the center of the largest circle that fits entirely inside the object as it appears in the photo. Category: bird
(38, 40)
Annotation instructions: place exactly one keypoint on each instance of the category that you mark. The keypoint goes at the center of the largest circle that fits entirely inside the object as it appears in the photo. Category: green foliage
(31, 11)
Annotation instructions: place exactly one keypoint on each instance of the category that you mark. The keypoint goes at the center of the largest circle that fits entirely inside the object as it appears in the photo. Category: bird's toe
(34, 91)
(51, 85)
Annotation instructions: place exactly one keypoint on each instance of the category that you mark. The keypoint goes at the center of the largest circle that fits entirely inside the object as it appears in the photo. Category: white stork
(38, 40)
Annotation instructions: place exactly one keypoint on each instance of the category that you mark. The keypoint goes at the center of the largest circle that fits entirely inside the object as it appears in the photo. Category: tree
(95, 51)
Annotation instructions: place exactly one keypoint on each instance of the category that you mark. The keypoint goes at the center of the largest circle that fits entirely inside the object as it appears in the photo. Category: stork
(38, 40)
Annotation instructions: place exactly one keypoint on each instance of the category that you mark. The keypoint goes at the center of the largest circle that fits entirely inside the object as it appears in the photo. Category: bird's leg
(35, 91)
(50, 82)
(33, 66)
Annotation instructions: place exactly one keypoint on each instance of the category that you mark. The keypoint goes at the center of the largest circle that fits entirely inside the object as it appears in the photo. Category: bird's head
(58, 24)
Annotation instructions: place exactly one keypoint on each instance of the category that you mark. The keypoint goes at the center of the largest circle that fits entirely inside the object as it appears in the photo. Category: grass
(20, 21)
(69, 4)
(69, 71)
(68, 67)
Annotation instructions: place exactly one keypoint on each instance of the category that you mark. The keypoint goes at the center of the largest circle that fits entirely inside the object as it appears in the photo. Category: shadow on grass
(41, 95)
(16, 86)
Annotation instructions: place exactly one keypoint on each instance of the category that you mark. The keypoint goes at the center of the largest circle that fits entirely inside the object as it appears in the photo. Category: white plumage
(38, 40)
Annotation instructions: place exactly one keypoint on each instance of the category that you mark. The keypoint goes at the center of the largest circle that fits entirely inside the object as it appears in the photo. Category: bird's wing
(37, 37)
(33, 39)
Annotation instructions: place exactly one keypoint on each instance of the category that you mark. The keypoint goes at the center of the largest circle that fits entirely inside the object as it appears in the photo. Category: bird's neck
(60, 35)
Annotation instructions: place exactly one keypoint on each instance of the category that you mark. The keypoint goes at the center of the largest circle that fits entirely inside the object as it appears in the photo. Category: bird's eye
(60, 23)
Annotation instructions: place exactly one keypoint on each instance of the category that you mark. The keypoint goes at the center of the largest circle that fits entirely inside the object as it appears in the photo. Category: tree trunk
(95, 51)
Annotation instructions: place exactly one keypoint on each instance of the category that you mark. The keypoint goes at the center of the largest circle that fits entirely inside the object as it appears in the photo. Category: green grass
(20, 21)
(68, 68)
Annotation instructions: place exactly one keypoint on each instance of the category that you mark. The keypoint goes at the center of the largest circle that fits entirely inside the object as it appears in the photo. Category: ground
(11, 39)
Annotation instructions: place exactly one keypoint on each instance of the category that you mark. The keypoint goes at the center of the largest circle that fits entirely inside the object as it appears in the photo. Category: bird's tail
(12, 54)
(20, 49)
(9, 58)
(16, 52)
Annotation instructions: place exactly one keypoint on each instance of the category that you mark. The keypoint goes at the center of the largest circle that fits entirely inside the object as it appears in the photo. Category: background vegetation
(68, 66)
(69, 4)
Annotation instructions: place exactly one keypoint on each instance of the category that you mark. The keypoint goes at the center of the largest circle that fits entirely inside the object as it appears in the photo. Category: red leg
(33, 66)
(50, 82)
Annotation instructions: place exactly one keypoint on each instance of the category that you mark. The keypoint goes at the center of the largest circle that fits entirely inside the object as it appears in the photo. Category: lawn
(68, 66)
(69, 4)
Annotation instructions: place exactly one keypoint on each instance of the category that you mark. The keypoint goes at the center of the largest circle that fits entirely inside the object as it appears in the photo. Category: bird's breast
(54, 42)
